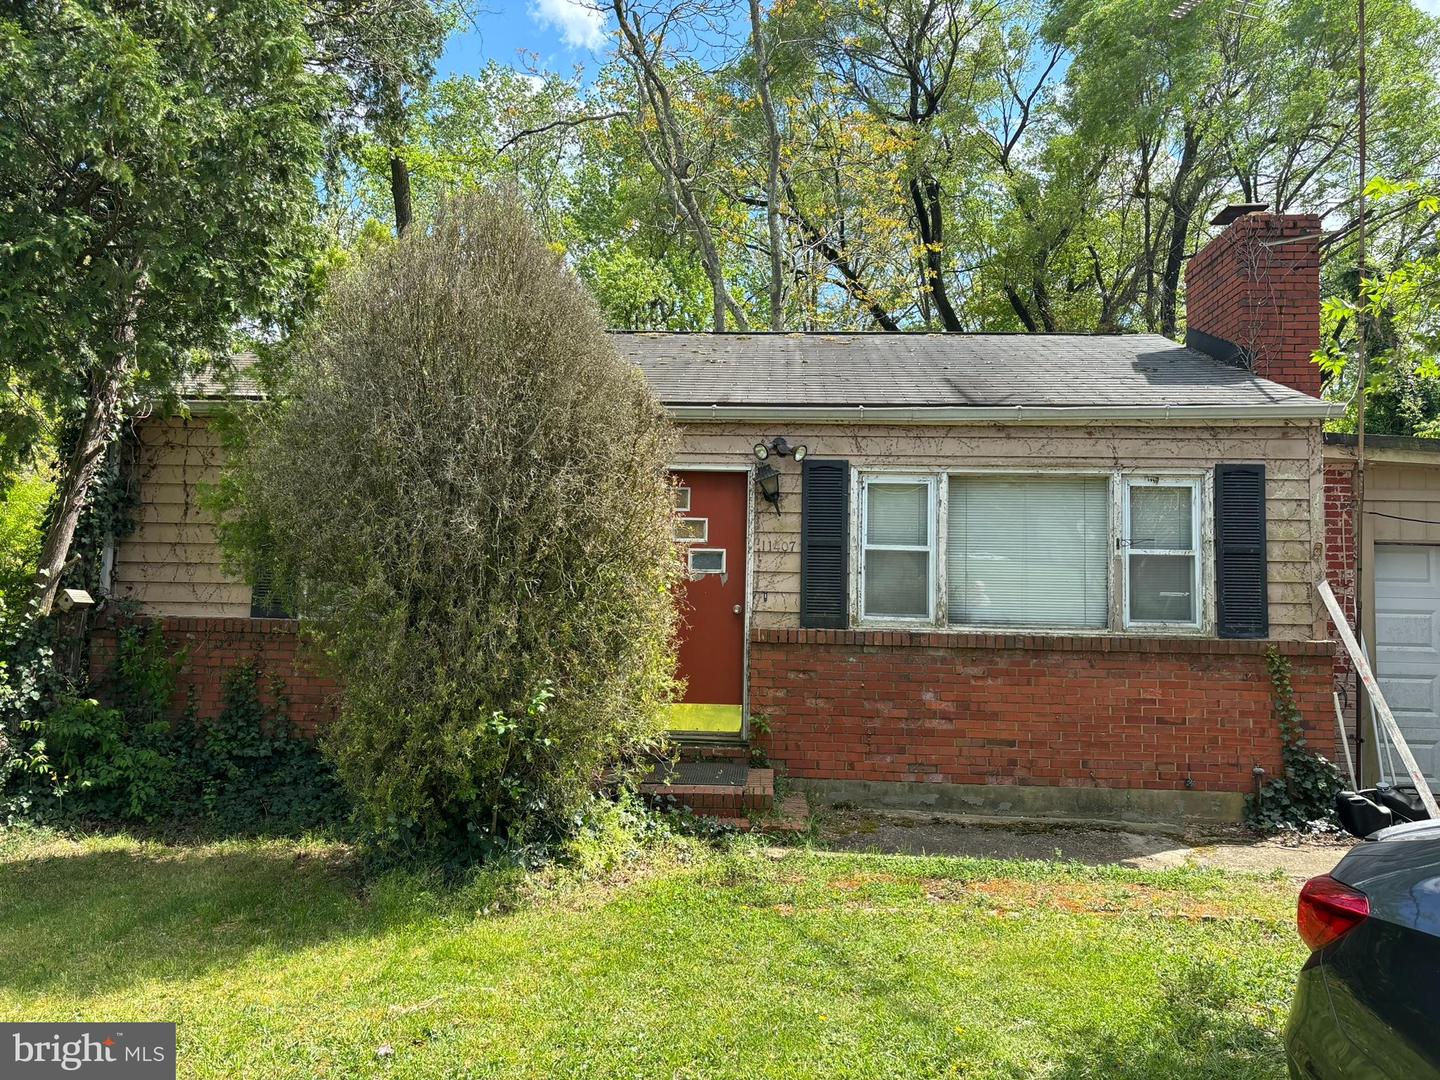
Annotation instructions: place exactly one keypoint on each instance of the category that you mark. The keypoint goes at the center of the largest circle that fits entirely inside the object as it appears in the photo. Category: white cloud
(1430, 7)
(580, 27)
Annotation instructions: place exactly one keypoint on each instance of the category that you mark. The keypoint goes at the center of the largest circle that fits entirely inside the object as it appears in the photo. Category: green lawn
(276, 960)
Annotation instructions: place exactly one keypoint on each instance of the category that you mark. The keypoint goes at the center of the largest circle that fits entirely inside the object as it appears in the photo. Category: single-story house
(1034, 573)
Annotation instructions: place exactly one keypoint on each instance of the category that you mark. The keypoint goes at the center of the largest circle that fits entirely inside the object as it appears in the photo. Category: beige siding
(170, 563)
(1291, 453)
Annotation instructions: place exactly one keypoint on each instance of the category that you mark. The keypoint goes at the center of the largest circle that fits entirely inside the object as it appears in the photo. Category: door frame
(748, 471)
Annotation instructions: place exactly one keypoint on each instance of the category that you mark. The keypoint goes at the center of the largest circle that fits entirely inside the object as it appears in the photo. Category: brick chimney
(1252, 295)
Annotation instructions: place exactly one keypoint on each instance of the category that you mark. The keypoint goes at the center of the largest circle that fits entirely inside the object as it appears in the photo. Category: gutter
(1009, 414)
(958, 414)
(209, 406)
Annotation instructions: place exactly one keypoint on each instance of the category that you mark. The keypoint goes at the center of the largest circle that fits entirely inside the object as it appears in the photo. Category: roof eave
(1009, 414)
(209, 406)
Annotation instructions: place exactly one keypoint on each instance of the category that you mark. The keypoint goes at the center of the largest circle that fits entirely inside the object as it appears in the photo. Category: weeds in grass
(644, 952)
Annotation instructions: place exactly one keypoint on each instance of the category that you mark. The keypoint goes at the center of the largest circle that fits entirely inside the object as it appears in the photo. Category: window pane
(1028, 551)
(707, 560)
(1160, 517)
(897, 514)
(692, 529)
(1162, 588)
(897, 583)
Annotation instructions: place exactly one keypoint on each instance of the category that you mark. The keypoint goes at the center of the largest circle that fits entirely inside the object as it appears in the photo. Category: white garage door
(1407, 645)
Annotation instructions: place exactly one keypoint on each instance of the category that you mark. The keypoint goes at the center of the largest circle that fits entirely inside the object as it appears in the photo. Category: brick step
(793, 817)
(718, 789)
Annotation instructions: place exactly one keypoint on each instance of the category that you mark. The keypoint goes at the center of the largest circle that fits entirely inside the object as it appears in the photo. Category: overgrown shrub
(460, 485)
(1303, 796)
(111, 762)
(31, 684)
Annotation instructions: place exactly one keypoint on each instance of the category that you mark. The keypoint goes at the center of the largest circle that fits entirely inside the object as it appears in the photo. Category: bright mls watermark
(113, 1051)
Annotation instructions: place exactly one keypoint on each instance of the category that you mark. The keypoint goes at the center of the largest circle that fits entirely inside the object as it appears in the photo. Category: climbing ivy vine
(1303, 795)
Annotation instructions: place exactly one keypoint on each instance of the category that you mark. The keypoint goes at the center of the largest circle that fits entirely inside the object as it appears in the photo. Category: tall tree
(157, 168)
(923, 68)
(647, 35)
(384, 54)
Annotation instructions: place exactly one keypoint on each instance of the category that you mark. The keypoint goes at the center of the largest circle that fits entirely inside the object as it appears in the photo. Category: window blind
(1028, 551)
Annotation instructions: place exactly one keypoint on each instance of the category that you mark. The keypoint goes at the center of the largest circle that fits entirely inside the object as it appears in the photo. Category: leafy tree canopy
(158, 187)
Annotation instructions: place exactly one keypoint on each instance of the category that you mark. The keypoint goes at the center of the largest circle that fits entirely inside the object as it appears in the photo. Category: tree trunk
(1022, 311)
(929, 218)
(1041, 291)
(717, 300)
(1182, 206)
(400, 192)
(772, 176)
(102, 420)
(667, 155)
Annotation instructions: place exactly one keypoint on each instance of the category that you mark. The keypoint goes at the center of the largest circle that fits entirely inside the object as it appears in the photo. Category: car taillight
(1328, 910)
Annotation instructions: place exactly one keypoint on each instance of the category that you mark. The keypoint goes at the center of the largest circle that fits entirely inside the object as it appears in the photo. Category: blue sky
(560, 33)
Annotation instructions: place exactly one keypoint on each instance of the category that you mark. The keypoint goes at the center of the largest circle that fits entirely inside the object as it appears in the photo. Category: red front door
(710, 509)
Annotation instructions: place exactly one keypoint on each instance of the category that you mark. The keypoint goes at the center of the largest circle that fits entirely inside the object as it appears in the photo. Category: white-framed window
(897, 548)
(1050, 550)
(681, 496)
(1160, 542)
(691, 530)
(702, 561)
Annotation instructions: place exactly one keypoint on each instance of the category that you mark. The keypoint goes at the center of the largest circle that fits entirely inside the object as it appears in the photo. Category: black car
(1368, 1002)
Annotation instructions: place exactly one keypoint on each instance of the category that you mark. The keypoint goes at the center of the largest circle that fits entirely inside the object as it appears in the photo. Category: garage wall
(1402, 489)
(1398, 484)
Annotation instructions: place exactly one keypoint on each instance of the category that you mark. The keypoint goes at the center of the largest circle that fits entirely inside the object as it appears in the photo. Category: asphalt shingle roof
(918, 370)
(905, 370)
(235, 380)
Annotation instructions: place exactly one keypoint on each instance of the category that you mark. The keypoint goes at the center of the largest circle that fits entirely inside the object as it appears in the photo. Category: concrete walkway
(1228, 848)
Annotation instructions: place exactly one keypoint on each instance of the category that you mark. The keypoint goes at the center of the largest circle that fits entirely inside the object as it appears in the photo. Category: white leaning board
(1377, 699)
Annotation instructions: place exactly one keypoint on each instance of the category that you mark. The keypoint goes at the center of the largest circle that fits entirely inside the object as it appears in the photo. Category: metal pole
(1358, 481)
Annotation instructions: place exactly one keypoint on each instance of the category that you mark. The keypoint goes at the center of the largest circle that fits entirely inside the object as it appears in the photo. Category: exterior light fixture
(780, 448)
(767, 479)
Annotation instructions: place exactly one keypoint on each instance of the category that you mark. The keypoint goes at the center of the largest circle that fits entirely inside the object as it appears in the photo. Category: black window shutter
(1241, 597)
(824, 543)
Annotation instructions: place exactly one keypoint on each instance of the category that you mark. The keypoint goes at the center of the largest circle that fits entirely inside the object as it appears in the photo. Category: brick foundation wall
(1257, 285)
(214, 647)
(921, 707)
(1029, 709)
